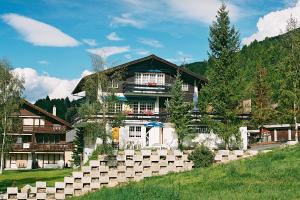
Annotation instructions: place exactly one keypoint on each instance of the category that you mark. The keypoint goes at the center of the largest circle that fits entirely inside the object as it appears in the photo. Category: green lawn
(275, 175)
(21, 178)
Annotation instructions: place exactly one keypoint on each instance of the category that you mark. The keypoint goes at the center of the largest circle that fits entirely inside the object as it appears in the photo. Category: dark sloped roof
(79, 86)
(34, 107)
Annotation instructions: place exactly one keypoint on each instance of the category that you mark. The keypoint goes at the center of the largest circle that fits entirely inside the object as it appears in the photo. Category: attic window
(114, 84)
(185, 87)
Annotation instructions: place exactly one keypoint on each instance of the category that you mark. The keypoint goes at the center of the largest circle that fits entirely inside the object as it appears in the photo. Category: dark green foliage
(179, 111)
(79, 145)
(222, 93)
(101, 150)
(198, 67)
(289, 70)
(65, 109)
(262, 111)
(202, 157)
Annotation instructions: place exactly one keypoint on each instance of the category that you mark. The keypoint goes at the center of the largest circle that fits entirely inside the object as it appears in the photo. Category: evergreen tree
(11, 88)
(179, 111)
(262, 111)
(221, 92)
(78, 150)
(289, 97)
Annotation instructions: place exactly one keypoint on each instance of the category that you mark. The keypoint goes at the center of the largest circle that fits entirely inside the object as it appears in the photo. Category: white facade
(18, 161)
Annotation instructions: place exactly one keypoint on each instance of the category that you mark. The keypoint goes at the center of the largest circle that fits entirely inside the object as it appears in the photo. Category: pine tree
(78, 150)
(179, 111)
(289, 97)
(221, 92)
(262, 111)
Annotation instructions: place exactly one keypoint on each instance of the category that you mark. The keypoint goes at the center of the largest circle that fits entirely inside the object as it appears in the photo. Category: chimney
(54, 110)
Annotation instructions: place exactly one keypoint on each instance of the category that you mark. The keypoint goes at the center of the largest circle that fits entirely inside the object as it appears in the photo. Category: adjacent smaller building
(39, 140)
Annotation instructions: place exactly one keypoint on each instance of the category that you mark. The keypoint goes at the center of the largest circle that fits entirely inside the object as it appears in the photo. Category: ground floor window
(50, 158)
(135, 131)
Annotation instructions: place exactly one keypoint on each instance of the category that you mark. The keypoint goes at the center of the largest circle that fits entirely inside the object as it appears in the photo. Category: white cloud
(86, 73)
(40, 85)
(90, 42)
(126, 20)
(273, 24)
(128, 56)
(181, 58)
(113, 37)
(150, 42)
(203, 11)
(43, 62)
(105, 52)
(39, 33)
(143, 52)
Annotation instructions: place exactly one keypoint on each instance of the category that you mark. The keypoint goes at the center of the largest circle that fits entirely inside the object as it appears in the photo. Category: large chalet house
(142, 96)
(39, 140)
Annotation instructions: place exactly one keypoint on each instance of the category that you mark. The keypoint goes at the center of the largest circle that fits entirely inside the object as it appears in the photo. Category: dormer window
(185, 87)
(114, 84)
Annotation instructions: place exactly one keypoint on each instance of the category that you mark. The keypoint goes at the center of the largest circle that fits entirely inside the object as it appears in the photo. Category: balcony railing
(150, 88)
(42, 147)
(43, 129)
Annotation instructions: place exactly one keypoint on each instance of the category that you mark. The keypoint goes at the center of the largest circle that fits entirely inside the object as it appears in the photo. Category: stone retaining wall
(111, 171)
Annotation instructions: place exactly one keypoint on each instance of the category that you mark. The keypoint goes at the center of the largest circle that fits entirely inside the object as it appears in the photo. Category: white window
(185, 87)
(28, 122)
(201, 129)
(150, 78)
(42, 122)
(114, 84)
(135, 131)
(141, 107)
(138, 78)
(115, 107)
(36, 122)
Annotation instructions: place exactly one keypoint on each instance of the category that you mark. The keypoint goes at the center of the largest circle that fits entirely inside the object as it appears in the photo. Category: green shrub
(202, 156)
(106, 149)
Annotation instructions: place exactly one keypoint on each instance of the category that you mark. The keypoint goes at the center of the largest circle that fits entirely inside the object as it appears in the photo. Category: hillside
(267, 53)
(274, 175)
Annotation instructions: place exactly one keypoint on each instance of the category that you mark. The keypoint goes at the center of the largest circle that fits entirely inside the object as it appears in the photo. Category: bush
(202, 156)
(101, 149)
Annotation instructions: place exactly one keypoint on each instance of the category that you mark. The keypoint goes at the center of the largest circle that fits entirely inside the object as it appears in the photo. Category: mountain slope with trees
(270, 52)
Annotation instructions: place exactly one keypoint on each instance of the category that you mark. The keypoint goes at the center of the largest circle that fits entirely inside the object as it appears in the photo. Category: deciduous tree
(11, 88)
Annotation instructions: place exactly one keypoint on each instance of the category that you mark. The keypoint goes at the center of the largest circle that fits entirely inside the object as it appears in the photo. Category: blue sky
(50, 40)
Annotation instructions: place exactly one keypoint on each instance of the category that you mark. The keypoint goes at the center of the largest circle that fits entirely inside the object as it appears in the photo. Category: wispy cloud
(203, 11)
(43, 62)
(142, 52)
(39, 33)
(181, 58)
(114, 37)
(105, 52)
(273, 24)
(126, 19)
(90, 42)
(150, 42)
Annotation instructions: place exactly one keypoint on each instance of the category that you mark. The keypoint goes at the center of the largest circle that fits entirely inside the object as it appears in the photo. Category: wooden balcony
(43, 129)
(29, 147)
(146, 89)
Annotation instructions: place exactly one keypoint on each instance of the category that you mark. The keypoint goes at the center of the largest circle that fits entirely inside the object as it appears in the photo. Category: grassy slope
(21, 178)
(275, 175)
